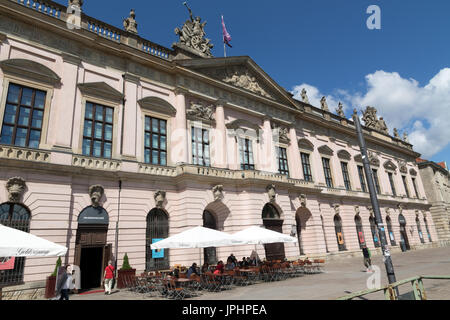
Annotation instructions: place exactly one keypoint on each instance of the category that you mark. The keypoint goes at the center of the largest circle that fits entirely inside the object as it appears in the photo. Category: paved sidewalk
(341, 277)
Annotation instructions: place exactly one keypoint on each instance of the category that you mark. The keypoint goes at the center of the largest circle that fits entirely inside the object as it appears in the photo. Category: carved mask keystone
(303, 200)
(160, 197)
(16, 188)
(96, 193)
(271, 192)
(218, 193)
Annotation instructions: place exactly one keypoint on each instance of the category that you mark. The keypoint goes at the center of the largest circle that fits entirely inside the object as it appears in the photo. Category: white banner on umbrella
(16, 243)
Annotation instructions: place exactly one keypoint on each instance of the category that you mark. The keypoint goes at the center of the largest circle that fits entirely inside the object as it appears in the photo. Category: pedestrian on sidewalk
(367, 261)
(109, 278)
(65, 284)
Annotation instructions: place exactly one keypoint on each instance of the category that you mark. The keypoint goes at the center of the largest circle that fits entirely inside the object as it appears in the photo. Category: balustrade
(49, 8)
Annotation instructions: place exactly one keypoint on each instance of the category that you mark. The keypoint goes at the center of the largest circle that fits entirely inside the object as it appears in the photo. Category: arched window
(403, 234)
(15, 216)
(391, 231)
(428, 229)
(373, 228)
(209, 221)
(419, 230)
(360, 231)
(339, 233)
(157, 229)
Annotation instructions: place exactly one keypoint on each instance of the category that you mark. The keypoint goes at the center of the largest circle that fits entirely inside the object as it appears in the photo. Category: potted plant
(50, 283)
(126, 272)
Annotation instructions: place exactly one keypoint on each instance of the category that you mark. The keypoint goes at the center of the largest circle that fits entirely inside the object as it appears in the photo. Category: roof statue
(371, 120)
(370, 117)
(396, 134)
(340, 110)
(130, 24)
(324, 104)
(76, 3)
(405, 137)
(192, 35)
(381, 126)
(304, 96)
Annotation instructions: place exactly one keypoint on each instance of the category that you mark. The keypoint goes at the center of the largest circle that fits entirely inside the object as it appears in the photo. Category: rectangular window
(346, 176)
(246, 154)
(307, 173)
(283, 167)
(405, 184)
(375, 179)
(200, 147)
(362, 178)
(98, 131)
(415, 187)
(327, 171)
(391, 180)
(155, 142)
(24, 114)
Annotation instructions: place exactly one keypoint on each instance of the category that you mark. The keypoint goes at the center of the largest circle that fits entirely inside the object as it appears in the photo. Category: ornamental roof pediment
(242, 73)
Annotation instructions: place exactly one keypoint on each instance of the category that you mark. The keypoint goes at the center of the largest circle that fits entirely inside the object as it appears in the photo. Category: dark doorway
(272, 221)
(91, 265)
(209, 254)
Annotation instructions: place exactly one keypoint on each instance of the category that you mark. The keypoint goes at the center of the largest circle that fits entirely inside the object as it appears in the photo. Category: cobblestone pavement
(341, 277)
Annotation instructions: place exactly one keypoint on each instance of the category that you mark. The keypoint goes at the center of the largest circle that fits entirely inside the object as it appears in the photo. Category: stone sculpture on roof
(396, 134)
(324, 104)
(340, 110)
(305, 96)
(130, 23)
(192, 35)
(405, 137)
(371, 120)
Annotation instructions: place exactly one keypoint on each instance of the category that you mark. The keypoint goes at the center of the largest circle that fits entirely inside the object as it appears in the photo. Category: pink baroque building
(109, 142)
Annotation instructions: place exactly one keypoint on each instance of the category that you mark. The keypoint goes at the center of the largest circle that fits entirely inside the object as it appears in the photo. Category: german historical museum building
(110, 142)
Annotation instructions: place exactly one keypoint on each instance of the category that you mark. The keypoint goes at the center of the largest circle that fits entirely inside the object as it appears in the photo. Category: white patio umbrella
(16, 243)
(256, 235)
(198, 237)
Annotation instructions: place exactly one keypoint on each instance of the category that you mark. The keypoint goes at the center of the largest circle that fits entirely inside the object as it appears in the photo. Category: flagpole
(224, 49)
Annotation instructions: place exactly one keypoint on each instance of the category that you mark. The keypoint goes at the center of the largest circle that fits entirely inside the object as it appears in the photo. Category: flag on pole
(226, 35)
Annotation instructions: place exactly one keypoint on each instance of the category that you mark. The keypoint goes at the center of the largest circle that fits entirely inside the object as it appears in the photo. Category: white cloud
(423, 111)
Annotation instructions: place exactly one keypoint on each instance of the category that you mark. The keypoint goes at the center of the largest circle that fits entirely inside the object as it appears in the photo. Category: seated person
(244, 263)
(230, 265)
(192, 270)
(220, 268)
(175, 273)
(205, 267)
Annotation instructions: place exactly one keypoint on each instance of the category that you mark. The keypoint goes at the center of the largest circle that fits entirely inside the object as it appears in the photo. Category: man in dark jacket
(367, 260)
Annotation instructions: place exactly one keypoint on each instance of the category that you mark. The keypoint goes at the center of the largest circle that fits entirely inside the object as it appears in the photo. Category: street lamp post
(375, 205)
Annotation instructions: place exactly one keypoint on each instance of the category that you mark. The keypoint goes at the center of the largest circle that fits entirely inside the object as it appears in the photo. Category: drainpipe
(117, 230)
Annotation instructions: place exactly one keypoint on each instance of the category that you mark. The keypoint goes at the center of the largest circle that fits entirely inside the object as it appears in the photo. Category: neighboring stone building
(108, 140)
(436, 180)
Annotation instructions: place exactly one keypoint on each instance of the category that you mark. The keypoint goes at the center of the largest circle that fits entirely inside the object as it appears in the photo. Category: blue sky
(326, 46)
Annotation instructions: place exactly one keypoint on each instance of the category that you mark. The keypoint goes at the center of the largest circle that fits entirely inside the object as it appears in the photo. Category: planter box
(50, 287)
(122, 274)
